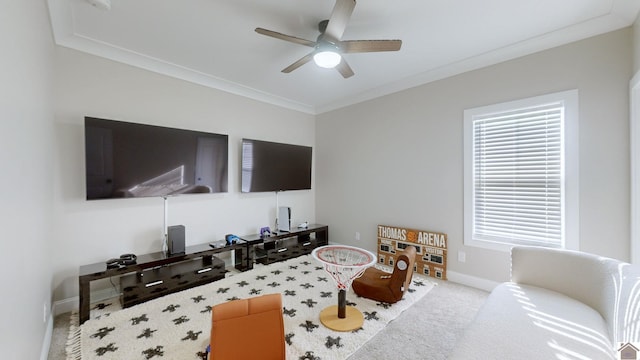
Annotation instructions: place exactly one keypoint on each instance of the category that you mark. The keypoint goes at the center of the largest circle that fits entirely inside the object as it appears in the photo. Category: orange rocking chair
(387, 287)
(248, 329)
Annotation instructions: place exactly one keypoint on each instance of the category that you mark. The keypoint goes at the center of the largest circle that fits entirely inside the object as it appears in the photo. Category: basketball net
(344, 263)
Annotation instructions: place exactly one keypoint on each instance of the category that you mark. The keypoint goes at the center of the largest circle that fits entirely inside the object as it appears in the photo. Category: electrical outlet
(357, 235)
(462, 256)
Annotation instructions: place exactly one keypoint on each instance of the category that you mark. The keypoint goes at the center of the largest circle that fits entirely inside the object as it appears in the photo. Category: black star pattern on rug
(139, 319)
(309, 326)
(371, 315)
(103, 350)
(181, 320)
(333, 341)
(411, 290)
(309, 302)
(193, 336)
(288, 337)
(105, 315)
(384, 305)
(101, 306)
(171, 308)
(198, 298)
(309, 356)
(146, 333)
(203, 355)
(151, 352)
(102, 332)
(308, 287)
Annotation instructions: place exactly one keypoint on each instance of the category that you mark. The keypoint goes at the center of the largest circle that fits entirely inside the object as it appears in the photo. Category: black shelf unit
(286, 245)
(157, 274)
(152, 283)
(172, 270)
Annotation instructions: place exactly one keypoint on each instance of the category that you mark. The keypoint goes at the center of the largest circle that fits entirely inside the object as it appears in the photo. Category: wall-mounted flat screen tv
(270, 166)
(126, 160)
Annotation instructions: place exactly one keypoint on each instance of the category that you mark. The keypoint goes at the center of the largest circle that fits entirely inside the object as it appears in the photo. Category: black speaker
(176, 239)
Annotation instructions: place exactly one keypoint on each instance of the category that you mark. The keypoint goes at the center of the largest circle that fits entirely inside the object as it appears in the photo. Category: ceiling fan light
(327, 59)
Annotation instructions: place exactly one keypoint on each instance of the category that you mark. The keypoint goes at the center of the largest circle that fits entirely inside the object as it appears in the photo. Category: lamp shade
(327, 59)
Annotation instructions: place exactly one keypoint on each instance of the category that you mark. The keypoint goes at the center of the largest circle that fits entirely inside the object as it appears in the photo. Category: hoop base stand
(353, 318)
(344, 263)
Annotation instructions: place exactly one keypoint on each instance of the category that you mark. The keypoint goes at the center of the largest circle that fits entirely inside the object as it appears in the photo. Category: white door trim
(634, 102)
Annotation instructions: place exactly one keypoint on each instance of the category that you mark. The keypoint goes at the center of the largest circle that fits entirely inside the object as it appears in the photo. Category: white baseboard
(73, 303)
(65, 305)
(46, 341)
(473, 281)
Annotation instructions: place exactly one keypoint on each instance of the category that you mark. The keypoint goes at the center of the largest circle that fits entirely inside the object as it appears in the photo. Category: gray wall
(26, 112)
(94, 231)
(397, 160)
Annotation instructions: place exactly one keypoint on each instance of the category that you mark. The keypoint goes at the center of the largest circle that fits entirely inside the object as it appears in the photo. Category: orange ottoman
(248, 329)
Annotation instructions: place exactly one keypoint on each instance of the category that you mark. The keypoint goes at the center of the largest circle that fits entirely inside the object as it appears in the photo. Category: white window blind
(517, 176)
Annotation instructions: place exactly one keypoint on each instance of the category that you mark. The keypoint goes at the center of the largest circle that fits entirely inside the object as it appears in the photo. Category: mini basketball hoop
(344, 264)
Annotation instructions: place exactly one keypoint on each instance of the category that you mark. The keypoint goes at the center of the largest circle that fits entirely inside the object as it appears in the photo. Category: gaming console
(284, 219)
(176, 239)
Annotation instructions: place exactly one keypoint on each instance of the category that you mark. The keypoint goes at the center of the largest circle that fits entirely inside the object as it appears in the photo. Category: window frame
(569, 171)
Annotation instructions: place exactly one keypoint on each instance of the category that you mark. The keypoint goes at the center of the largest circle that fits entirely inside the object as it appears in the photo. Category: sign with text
(431, 249)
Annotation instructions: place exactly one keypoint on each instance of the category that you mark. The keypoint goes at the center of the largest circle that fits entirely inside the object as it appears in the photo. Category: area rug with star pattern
(177, 326)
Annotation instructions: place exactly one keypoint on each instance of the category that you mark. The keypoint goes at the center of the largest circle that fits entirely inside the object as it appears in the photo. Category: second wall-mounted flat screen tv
(126, 160)
(271, 166)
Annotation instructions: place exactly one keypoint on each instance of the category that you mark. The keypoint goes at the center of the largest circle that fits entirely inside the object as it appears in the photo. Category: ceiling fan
(328, 47)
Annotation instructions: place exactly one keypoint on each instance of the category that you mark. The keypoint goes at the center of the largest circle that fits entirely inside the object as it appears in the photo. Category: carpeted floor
(427, 330)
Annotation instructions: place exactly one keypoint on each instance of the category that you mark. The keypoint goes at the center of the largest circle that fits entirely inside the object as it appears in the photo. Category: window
(521, 172)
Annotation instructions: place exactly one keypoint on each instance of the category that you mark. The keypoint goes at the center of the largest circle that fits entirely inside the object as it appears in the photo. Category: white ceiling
(213, 42)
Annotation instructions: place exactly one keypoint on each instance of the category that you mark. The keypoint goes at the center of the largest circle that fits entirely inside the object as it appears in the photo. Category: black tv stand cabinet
(158, 274)
(284, 245)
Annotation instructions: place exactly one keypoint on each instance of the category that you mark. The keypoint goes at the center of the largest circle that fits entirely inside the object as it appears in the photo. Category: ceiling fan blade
(305, 59)
(360, 46)
(339, 18)
(284, 37)
(344, 69)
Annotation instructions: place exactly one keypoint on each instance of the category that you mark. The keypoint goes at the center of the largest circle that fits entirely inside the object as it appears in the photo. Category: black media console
(158, 274)
(286, 245)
